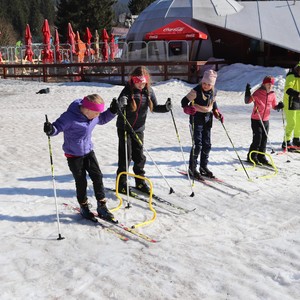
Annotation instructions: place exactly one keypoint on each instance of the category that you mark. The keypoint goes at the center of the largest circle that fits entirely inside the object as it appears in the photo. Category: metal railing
(113, 72)
(120, 51)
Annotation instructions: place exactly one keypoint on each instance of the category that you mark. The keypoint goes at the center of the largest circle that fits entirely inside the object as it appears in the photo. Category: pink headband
(139, 79)
(99, 107)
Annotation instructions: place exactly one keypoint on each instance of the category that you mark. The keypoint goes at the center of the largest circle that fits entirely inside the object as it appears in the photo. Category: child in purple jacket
(77, 124)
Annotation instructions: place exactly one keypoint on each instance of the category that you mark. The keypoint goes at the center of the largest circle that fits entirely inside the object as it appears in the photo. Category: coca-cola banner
(177, 30)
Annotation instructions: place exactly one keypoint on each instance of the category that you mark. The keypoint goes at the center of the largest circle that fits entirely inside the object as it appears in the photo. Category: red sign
(176, 30)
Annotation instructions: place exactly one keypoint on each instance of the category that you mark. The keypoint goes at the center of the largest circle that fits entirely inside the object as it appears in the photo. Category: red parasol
(47, 53)
(58, 55)
(88, 36)
(71, 39)
(112, 47)
(28, 44)
(105, 38)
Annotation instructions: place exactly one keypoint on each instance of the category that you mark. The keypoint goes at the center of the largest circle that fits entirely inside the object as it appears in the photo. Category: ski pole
(192, 127)
(126, 160)
(54, 185)
(235, 150)
(178, 138)
(285, 139)
(141, 143)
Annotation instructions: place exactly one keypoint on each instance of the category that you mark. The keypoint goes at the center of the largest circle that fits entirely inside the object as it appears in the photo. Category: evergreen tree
(94, 14)
(18, 13)
(7, 33)
(137, 6)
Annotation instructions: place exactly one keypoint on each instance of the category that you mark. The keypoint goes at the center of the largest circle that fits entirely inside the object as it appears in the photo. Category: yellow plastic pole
(150, 197)
(254, 164)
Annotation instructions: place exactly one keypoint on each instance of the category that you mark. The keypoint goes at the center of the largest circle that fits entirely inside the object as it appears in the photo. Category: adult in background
(291, 100)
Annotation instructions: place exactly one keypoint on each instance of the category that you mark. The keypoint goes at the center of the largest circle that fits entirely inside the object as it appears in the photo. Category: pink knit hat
(210, 77)
(269, 79)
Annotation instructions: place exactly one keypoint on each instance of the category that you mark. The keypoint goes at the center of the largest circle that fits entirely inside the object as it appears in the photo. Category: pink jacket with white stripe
(263, 102)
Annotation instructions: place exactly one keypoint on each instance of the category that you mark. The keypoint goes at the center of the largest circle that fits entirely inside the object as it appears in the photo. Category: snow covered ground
(241, 242)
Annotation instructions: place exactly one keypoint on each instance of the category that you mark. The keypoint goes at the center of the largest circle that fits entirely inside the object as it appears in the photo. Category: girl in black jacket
(200, 104)
(135, 100)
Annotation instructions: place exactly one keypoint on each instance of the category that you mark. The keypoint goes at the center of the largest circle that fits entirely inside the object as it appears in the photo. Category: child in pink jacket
(264, 99)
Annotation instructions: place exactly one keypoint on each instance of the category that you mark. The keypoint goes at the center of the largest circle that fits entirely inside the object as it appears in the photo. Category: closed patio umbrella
(58, 55)
(47, 53)
(80, 47)
(71, 41)
(97, 44)
(112, 46)
(105, 46)
(28, 44)
(88, 37)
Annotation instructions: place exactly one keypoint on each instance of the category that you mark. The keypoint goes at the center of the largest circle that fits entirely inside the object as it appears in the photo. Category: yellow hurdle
(254, 164)
(150, 197)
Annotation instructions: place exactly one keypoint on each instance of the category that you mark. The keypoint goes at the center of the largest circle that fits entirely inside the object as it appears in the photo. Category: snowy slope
(241, 242)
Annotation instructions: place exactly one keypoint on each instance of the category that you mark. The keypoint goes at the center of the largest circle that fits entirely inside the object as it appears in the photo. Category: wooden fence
(112, 72)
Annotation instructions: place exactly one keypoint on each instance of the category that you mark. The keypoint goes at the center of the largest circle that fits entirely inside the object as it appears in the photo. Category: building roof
(274, 22)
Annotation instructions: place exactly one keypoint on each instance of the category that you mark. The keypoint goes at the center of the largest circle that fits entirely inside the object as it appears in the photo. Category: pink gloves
(218, 115)
(189, 110)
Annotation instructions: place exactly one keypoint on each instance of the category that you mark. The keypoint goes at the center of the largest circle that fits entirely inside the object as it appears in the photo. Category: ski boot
(286, 144)
(142, 186)
(253, 157)
(196, 175)
(103, 211)
(296, 142)
(123, 190)
(206, 172)
(263, 161)
(86, 213)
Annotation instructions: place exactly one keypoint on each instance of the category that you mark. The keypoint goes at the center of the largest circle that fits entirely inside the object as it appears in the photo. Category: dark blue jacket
(137, 119)
(77, 129)
(201, 118)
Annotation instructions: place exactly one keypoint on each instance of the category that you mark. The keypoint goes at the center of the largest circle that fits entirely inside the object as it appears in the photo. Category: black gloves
(48, 128)
(168, 104)
(248, 90)
(114, 106)
(279, 106)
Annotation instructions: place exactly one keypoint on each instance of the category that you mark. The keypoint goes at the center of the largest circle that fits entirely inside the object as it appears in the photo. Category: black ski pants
(134, 152)
(259, 139)
(80, 166)
(201, 145)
